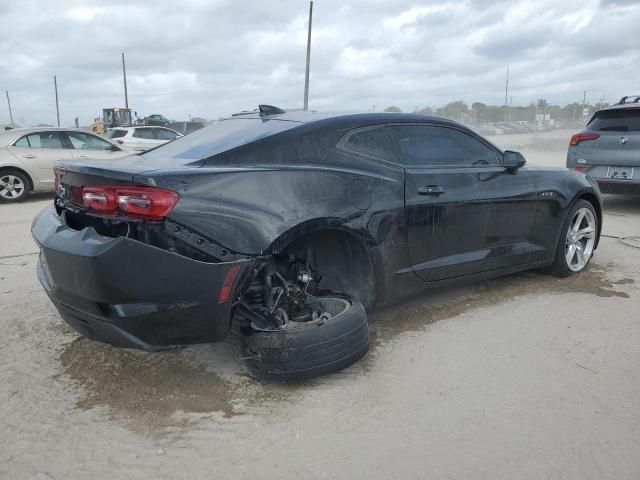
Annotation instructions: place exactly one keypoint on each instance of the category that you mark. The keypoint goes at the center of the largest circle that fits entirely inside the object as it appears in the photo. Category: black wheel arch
(593, 199)
(357, 257)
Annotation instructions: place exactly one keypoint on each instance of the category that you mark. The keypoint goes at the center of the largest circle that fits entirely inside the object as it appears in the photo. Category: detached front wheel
(334, 338)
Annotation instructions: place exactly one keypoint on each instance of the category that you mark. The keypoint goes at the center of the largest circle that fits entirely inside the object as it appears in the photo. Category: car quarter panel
(260, 199)
(558, 189)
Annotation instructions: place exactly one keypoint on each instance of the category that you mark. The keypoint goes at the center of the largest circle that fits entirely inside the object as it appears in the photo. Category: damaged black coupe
(285, 227)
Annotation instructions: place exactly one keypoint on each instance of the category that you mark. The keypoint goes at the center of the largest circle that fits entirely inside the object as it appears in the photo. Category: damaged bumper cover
(130, 294)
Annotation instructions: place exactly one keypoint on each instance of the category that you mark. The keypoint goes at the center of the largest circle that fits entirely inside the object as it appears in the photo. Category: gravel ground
(524, 377)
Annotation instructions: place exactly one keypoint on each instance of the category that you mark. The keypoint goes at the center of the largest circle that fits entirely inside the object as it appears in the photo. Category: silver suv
(608, 149)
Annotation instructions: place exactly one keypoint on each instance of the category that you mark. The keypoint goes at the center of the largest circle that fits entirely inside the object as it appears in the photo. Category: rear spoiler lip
(125, 175)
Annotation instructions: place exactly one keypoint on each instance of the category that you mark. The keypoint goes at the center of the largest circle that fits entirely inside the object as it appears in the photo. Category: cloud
(213, 57)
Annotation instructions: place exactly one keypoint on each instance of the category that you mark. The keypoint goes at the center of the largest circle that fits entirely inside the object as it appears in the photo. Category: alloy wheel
(11, 187)
(581, 239)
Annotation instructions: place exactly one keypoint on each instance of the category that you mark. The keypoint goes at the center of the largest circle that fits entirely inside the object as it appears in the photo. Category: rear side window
(374, 142)
(164, 134)
(623, 120)
(144, 133)
(220, 137)
(428, 145)
(116, 133)
(85, 141)
(41, 140)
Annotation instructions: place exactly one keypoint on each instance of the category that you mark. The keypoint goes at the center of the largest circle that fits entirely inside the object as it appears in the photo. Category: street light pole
(55, 87)
(306, 75)
(9, 103)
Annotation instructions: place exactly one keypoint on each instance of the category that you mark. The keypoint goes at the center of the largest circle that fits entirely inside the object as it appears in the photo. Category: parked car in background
(140, 139)
(28, 155)
(156, 120)
(608, 149)
(185, 128)
(286, 226)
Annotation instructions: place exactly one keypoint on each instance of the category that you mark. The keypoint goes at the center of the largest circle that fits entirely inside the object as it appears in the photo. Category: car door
(39, 152)
(465, 213)
(141, 139)
(86, 145)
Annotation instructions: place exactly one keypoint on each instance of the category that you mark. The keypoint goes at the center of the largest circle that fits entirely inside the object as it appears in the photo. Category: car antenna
(270, 110)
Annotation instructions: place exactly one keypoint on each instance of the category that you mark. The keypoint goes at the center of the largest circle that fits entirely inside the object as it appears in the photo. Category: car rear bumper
(130, 294)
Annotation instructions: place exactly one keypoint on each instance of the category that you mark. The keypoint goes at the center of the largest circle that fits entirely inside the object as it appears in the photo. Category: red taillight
(583, 137)
(153, 203)
(579, 169)
(229, 278)
(99, 199)
(146, 202)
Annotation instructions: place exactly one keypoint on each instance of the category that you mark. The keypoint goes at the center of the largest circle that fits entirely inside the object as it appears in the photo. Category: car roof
(627, 102)
(354, 118)
(138, 126)
(8, 136)
(624, 106)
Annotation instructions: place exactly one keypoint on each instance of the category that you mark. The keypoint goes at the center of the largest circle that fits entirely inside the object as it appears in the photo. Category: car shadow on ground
(621, 204)
(38, 197)
(168, 392)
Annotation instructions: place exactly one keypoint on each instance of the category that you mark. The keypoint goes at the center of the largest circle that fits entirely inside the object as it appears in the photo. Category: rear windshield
(116, 133)
(627, 120)
(220, 137)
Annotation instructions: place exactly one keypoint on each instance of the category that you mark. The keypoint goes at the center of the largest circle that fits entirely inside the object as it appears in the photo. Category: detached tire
(309, 349)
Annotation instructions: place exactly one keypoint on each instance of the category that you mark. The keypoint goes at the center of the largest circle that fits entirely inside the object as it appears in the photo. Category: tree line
(479, 112)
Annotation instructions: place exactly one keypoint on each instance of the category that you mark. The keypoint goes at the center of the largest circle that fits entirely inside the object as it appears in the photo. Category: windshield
(220, 137)
(623, 120)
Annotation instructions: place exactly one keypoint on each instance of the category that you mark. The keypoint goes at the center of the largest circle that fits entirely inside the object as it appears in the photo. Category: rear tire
(577, 240)
(303, 350)
(14, 186)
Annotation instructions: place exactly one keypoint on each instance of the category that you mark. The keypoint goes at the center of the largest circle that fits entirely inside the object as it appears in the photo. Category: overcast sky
(209, 58)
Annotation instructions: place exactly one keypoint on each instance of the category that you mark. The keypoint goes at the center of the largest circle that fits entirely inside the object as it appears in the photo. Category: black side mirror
(512, 161)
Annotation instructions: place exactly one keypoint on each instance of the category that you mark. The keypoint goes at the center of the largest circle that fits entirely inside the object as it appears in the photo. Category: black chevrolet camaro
(285, 227)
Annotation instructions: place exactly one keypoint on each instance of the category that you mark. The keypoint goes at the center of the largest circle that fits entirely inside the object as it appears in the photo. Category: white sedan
(28, 155)
(140, 139)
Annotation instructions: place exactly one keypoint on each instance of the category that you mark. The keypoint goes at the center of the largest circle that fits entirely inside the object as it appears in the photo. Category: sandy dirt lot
(526, 377)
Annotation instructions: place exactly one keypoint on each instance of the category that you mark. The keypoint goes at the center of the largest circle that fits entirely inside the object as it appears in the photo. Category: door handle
(29, 156)
(431, 190)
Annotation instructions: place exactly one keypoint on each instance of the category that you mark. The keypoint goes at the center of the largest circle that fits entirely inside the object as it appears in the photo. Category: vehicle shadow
(622, 204)
(159, 393)
(38, 196)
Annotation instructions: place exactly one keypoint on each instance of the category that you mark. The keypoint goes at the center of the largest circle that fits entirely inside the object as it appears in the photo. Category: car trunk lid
(119, 171)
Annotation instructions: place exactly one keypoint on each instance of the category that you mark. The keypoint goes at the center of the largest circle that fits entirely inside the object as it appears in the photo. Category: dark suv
(608, 149)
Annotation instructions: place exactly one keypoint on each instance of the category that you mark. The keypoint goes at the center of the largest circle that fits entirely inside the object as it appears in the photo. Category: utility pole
(9, 103)
(124, 75)
(306, 75)
(55, 87)
(506, 94)
(510, 107)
